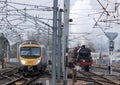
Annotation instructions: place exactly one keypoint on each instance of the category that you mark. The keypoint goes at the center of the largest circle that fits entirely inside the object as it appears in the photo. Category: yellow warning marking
(18, 83)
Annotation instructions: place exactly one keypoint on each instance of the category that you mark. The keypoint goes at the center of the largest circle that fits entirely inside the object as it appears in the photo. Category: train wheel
(20, 69)
(86, 68)
(25, 74)
(43, 68)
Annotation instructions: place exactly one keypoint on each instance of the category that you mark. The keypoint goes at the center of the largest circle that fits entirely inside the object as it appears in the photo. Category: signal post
(111, 36)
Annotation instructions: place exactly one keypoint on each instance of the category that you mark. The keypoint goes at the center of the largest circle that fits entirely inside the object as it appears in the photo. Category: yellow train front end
(31, 58)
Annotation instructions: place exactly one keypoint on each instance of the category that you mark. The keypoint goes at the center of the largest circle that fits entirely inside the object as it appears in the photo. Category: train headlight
(23, 62)
(38, 61)
(83, 60)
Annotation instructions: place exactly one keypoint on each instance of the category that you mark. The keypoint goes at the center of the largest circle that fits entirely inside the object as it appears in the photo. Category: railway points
(59, 42)
(94, 76)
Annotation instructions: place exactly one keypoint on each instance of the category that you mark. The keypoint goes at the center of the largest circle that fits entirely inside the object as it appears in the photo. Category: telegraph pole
(55, 8)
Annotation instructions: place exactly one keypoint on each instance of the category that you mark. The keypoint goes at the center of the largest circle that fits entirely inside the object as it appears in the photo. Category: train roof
(31, 42)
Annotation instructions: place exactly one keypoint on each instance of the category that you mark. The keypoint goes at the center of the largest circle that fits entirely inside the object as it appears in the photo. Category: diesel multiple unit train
(32, 57)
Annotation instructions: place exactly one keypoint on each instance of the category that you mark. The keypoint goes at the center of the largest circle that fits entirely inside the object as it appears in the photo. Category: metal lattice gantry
(17, 18)
(109, 15)
(103, 16)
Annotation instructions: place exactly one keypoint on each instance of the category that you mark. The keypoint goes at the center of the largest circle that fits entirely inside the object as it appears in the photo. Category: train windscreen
(30, 52)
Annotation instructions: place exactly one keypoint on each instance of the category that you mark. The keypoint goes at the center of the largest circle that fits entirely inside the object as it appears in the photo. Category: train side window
(43, 51)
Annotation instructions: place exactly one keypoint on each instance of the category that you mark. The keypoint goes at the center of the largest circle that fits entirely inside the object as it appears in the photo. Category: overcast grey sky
(84, 14)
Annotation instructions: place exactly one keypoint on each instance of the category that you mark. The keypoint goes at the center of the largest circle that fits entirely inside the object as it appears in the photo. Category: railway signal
(111, 36)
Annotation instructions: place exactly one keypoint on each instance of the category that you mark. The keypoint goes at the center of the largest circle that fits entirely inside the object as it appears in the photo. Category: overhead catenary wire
(30, 17)
(23, 4)
(10, 12)
(13, 25)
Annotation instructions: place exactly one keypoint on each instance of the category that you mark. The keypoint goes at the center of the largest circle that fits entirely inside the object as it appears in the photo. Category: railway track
(9, 76)
(104, 71)
(97, 79)
(114, 68)
(12, 76)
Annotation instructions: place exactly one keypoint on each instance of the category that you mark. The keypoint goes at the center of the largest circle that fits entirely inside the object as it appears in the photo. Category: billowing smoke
(85, 14)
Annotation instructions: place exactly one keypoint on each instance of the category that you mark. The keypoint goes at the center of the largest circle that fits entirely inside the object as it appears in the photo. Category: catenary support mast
(65, 39)
(59, 44)
(55, 7)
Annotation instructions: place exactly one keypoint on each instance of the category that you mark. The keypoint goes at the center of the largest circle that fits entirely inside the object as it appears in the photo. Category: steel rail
(100, 80)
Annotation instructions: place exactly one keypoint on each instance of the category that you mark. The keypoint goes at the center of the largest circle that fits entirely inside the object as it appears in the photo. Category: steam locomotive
(83, 59)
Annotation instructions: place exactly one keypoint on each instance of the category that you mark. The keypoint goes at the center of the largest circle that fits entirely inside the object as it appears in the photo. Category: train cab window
(30, 52)
(25, 51)
(35, 51)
